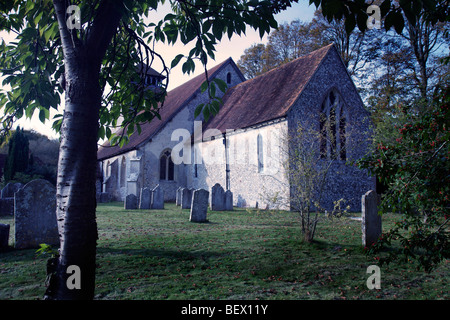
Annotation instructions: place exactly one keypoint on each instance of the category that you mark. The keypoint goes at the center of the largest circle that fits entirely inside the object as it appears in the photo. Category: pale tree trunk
(76, 202)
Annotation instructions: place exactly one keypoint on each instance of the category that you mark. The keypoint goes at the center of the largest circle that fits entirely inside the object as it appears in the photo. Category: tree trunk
(73, 272)
(76, 201)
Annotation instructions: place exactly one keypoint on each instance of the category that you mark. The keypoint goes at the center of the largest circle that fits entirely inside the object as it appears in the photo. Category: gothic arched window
(259, 151)
(229, 77)
(123, 171)
(332, 125)
(166, 166)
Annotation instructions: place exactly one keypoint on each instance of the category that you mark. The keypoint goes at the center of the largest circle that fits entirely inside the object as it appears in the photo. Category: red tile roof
(175, 101)
(268, 96)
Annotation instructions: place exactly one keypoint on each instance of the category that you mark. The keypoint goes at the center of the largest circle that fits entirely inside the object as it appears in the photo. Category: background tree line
(392, 71)
(29, 155)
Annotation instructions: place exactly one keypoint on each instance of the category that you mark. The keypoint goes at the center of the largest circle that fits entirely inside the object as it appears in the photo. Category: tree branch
(104, 26)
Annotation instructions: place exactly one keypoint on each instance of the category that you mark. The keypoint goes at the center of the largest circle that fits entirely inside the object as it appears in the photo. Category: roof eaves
(186, 102)
(332, 45)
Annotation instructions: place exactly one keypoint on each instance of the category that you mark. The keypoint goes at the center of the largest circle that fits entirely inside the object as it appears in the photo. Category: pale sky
(225, 49)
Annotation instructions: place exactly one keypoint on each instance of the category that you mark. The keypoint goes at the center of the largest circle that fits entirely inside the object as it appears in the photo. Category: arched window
(332, 125)
(166, 166)
(123, 172)
(260, 153)
(229, 77)
(108, 169)
(342, 136)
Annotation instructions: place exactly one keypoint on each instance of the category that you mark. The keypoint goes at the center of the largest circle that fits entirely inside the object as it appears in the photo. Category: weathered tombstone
(35, 215)
(217, 198)
(186, 198)
(145, 198)
(371, 220)
(199, 206)
(11, 188)
(4, 236)
(105, 197)
(178, 196)
(228, 200)
(131, 202)
(157, 198)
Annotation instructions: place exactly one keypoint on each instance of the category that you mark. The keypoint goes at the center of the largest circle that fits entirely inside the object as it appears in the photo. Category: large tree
(93, 60)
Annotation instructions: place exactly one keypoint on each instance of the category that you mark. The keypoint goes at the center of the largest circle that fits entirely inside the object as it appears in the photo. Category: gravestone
(4, 236)
(35, 215)
(157, 198)
(9, 190)
(217, 198)
(371, 220)
(199, 206)
(186, 198)
(228, 200)
(131, 202)
(178, 196)
(145, 200)
(104, 197)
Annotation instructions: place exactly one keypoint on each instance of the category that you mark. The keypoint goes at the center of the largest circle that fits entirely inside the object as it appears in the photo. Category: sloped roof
(268, 96)
(143, 68)
(175, 100)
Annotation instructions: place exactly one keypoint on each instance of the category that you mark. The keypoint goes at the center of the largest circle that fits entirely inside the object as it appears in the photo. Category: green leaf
(43, 115)
(176, 60)
(101, 132)
(204, 86)
(399, 23)
(361, 20)
(222, 84)
(212, 89)
(385, 7)
(389, 20)
(350, 24)
(198, 110)
(206, 113)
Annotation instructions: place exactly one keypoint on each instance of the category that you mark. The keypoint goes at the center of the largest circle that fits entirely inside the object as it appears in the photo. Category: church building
(246, 146)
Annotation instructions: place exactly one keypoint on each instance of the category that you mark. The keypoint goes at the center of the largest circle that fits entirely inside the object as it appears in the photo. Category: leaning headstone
(217, 198)
(145, 199)
(11, 188)
(35, 215)
(131, 202)
(228, 200)
(157, 198)
(199, 206)
(4, 236)
(178, 196)
(371, 220)
(186, 198)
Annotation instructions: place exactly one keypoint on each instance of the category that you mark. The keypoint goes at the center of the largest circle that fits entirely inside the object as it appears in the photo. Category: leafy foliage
(396, 13)
(36, 77)
(18, 157)
(416, 170)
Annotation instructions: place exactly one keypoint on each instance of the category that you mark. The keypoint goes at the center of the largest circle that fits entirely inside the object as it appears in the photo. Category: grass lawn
(244, 254)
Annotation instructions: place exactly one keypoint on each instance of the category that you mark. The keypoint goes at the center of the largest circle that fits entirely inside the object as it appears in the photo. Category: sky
(233, 48)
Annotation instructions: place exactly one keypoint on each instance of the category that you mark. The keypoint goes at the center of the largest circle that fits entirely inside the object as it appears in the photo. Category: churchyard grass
(244, 254)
